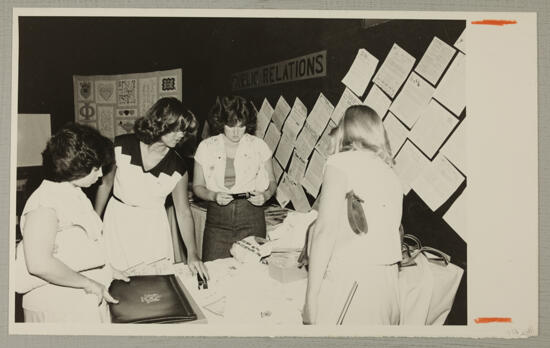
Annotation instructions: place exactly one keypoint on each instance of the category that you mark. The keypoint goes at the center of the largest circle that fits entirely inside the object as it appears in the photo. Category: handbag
(428, 287)
(150, 299)
(74, 248)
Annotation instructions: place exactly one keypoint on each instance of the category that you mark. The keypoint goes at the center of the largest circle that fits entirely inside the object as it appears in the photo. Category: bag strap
(417, 242)
(441, 255)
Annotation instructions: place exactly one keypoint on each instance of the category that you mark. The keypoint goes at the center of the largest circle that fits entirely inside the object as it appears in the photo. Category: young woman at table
(53, 217)
(232, 162)
(338, 257)
(147, 170)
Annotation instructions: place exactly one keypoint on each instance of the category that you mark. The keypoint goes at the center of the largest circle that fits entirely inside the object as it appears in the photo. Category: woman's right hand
(100, 291)
(223, 198)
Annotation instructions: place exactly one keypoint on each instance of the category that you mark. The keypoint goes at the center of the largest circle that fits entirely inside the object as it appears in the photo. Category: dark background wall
(209, 50)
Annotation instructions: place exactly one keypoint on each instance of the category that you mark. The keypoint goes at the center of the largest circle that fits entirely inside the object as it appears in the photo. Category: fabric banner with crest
(112, 103)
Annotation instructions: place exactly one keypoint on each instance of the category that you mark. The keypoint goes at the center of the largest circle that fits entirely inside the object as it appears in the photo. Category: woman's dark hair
(165, 116)
(74, 151)
(230, 111)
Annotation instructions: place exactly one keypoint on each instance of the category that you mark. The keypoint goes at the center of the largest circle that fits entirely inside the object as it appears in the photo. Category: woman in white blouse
(233, 171)
(53, 218)
(352, 277)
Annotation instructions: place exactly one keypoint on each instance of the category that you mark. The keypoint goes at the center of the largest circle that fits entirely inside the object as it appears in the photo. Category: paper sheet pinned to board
(263, 118)
(451, 91)
(277, 169)
(435, 60)
(455, 147)
(320, 114)
(347, 99)
(360, 72)
(295, 120)
(433, 127)
(280, 113)
(412, 100)
(378, 101)
(394, 70)
(306, 141)
(314, 174)
(397, 132)
(272, 136)
(409, 163)
(437, 182)
(284, 149)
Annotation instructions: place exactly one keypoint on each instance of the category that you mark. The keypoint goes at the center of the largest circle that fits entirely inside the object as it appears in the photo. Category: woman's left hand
(196, 266)
(120, 275)
(257, 198)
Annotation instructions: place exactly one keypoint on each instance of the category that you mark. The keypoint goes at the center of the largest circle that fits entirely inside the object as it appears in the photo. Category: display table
(245, 294)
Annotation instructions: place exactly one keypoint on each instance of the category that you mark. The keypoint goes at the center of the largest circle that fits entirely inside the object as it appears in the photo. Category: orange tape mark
(493, 320)
(494, 22)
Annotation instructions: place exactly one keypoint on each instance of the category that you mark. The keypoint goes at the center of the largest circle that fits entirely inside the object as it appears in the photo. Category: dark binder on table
(150, 299)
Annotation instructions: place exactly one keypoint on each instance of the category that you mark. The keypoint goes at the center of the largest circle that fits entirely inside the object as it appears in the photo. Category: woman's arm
(200, 189)
(104, 190)
(324, 236)
(259, 198)
(39, 241)
(187, 227)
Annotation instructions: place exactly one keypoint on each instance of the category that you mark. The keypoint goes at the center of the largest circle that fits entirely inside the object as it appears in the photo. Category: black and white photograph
(318, 174)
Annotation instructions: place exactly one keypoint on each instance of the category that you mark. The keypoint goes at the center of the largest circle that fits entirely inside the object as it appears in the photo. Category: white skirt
(375, 300)
(136, 235)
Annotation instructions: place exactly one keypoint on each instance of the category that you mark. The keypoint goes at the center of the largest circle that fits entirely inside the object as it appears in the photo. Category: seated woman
(72, 160)
(232, 162)
(340, 258)
(146, 171)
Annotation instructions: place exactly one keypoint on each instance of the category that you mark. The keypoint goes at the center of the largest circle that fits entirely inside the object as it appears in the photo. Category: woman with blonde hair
(352, 275)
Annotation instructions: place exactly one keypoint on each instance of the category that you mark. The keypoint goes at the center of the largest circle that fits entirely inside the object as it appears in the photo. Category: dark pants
(227, 224)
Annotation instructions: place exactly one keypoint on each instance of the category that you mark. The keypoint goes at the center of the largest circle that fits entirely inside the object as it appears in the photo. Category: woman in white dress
(352, 276)
(147, 170)
(57, 211)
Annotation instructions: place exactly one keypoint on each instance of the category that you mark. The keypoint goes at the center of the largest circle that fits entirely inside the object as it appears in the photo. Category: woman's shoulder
(126, 140)
(211, 141)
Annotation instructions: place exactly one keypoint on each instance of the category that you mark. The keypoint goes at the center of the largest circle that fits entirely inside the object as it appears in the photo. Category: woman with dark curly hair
(233, 171)
(54, 215)
(147, 170)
